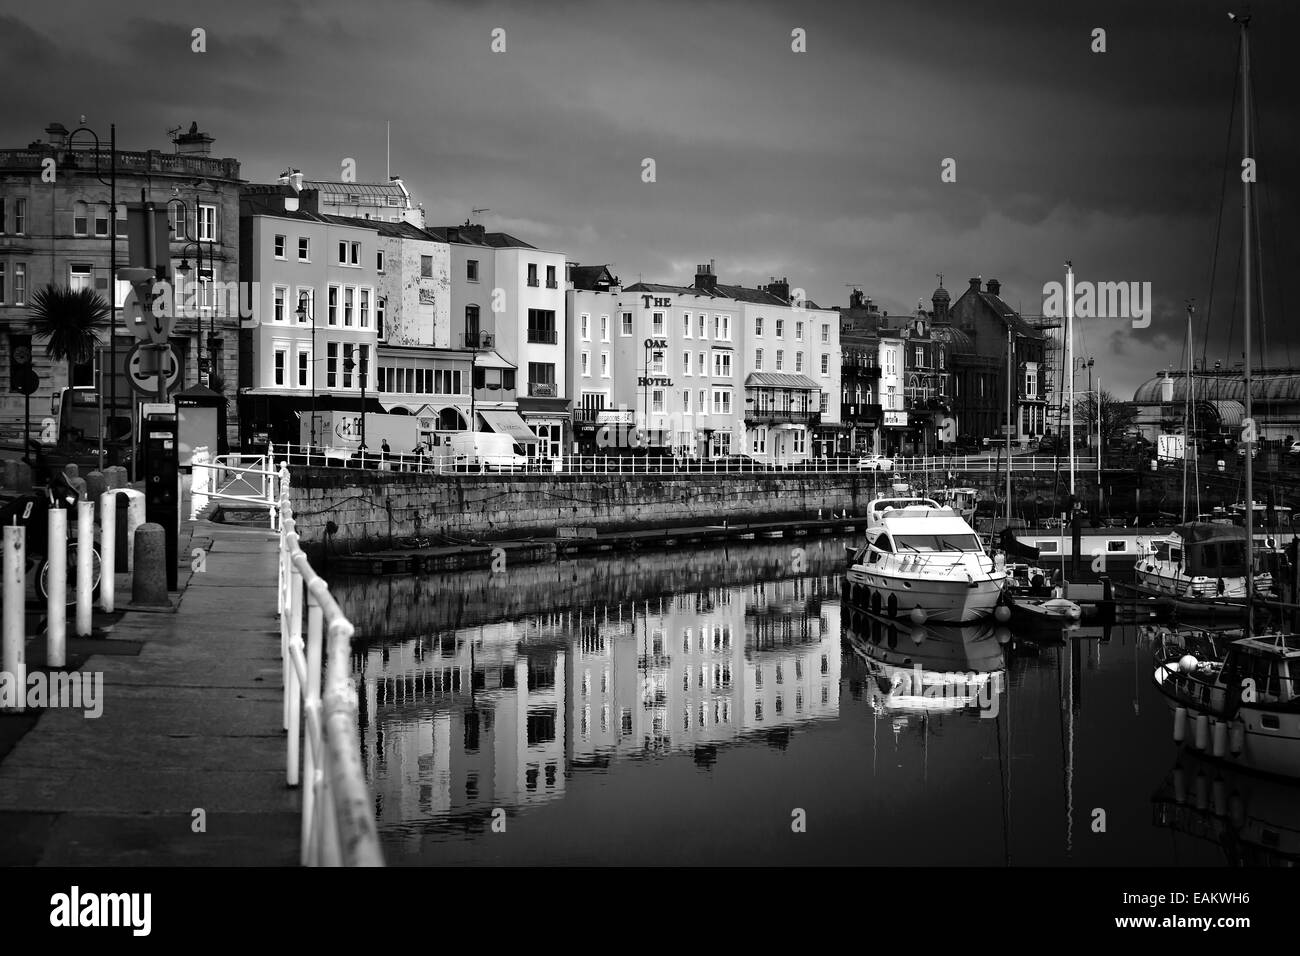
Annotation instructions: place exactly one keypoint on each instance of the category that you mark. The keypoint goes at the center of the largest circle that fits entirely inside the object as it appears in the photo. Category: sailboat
(1241, 699)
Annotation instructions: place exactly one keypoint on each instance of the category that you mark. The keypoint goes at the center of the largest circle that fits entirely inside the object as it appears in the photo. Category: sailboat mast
(1187, 408)
(1249, 435)
(1008, 426)
(1069, 359)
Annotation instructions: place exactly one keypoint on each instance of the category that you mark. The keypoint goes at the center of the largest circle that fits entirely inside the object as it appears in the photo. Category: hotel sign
(656, 343)
(654, 382)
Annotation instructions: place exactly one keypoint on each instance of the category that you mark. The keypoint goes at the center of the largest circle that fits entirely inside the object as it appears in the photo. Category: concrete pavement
(186, 764)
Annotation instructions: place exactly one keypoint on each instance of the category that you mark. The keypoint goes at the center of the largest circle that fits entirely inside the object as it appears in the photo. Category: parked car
(876, 463)
(1294, 448)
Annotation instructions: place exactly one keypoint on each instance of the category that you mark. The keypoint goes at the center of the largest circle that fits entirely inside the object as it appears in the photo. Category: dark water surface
(692, 707)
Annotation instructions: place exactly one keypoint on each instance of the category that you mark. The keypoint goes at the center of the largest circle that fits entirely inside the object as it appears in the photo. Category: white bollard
(107, 550)
(85, 565)
(56, 584)
(14, 657)
(134, 518)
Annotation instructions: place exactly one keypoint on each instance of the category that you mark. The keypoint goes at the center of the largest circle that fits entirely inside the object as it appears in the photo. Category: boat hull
(944, 602)
(1265, 749)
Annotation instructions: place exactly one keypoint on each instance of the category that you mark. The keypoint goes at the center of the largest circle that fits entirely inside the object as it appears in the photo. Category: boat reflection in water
(505, 714)
(1254, 818)
(930, 667)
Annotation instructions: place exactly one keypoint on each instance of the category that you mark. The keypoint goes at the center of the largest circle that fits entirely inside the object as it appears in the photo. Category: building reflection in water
(501, 715)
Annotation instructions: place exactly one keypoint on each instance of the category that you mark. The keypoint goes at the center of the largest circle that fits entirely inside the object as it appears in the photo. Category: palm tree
(70, 320)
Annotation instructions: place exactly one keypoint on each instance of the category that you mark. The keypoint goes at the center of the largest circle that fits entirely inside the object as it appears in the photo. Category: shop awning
(780, 380)
(508, 423)
(490, 359)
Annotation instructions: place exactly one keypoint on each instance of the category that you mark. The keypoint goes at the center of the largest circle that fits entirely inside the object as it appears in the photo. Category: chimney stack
(58, 134)
(193, 142)
(994, 287)
(295, 180)
(975, 283)
(705, 279)
(780, 289)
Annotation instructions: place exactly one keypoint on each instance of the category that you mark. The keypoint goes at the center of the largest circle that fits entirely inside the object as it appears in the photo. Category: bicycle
(31, 511)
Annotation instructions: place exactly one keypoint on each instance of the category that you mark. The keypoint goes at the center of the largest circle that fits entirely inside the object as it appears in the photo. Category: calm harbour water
(687, 707)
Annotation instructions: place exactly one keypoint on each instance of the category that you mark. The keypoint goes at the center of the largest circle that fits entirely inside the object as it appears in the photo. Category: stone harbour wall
(373, 510)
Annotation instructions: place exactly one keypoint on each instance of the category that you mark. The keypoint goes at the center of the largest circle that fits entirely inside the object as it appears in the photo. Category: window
(381, 307)
(824, 404)
(365, 308)
(80, 276)
(426, 267)
(722, 365)
(121, 221)
(80, 214)
(355, 254)
(332, 305)
(379, 260)
(657, 362)
(541, 326)
(826, 365)
(920, 357)
(798, 331)
(541, 379)
(207, 223)
(20, 217)
(627, 323)
(471, 270)
(760, 441)
(20, 283)
(704, 323)
(349, 364)
(532, 274)
(758, 326)
(281, 295)
(826, 332)
(657, 401)
(307, 307)
(472, 330)
(331, 364)
(657, 324)
(4, 273)
(281, 356)
(943, 357)
(604, 364)
(343, 253)
(604, 328)
(703, 366)
(550, 278)
(704, 402)
(758, 360)
(799, 441)
(780, 357)
(780, 328)
(584, 324)
(279, 243)
(686, 401)
(349, 303)
(304, 250)
(686, 325)
(101, 220)
(798, 362)
(721, 401)
(686, 363)
(586, 363)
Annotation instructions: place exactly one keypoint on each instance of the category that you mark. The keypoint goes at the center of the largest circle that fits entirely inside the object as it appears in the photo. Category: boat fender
(918, 635)
(1002, 634)
(1221, 587)
(1237, 738)
(1220, 738)
(918, 615)
(1180, 724)
(1202, 731)
(1187, 664)
(1002, 613)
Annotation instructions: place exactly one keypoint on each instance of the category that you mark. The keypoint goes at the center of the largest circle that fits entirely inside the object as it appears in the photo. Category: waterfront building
(983, 317)
(593, 305)
(860, 402)
(1220, 402)
(323, 353)
(508, 307)
(62, 232)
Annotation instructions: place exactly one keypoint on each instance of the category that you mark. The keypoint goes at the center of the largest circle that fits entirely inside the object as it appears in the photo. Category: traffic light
(22, 377)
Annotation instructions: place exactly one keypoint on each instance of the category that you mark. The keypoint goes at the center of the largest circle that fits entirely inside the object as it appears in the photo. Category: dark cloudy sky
(822, 166)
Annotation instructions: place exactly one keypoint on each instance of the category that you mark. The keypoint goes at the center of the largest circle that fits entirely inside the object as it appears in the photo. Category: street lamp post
(112, 271)
(348, 366)
(184, 269)
(304, 317)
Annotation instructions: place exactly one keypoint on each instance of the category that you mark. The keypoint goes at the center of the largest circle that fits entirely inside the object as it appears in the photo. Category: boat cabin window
(1264, 673)
(1209, 557)
(938, 542)
(884, 544)
(1047, 547)
(1116, 546)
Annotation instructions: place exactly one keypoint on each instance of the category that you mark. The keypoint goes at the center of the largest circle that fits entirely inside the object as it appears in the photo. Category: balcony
(480, 340)
(532, 282)
(552, 284)
(778, 416)
(542, 336)
(542, 389)
(864, 412)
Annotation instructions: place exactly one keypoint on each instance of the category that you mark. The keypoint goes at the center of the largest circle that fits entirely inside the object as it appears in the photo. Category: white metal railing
(338, 822)
(665, 464)
(236, 478)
